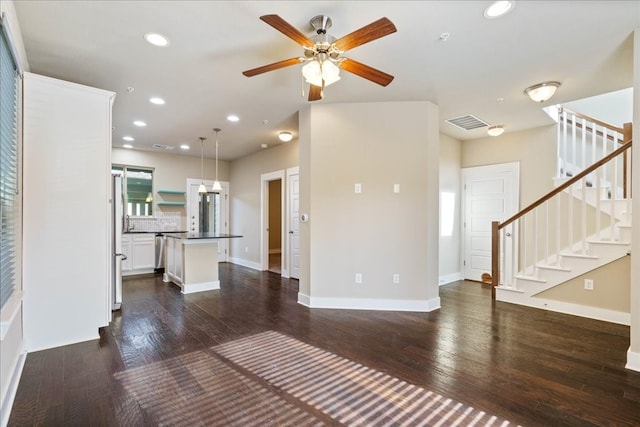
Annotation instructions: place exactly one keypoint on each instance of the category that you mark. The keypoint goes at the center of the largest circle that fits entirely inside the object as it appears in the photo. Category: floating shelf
(172, 192)
(171, 203)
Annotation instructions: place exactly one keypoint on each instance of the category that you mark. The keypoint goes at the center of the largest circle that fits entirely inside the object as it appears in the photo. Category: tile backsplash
(164, 221)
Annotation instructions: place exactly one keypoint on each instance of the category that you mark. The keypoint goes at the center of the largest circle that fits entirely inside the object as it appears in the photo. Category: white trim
(246, 263)
(450, 278)
(288, 254)
(200, 287)
(633, 361)
(9, 312)
(589, 312)
(12, 389)
(369, 303)
(265, 178)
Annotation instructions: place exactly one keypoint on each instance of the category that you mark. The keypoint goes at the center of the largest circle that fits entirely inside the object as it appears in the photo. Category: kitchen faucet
(127, 223)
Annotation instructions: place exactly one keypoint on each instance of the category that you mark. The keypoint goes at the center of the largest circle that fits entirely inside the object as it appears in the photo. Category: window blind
(8, 168)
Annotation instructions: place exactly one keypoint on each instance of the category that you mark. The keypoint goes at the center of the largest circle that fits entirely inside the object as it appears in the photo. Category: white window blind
(8, 168)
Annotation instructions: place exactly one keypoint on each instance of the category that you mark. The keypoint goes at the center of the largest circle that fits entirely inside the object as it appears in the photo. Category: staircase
(581, 225)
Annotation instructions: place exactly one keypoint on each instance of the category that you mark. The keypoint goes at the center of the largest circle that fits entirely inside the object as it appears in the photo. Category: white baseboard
(633, 361)
(589, 312)
(449, 278)
(369, 303)
(246, 263)
(12, 389)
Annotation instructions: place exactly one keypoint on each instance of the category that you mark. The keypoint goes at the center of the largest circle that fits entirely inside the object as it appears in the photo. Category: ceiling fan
(323, 53)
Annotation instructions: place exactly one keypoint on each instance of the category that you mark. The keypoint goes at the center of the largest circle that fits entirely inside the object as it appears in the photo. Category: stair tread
(553, 267)
(530, 278)
(609, 242)
(572, 255)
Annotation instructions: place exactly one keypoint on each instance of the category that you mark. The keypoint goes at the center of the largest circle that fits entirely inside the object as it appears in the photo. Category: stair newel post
(495, 257)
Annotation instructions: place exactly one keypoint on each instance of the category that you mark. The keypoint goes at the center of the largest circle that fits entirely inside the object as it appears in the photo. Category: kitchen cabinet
(140, 251)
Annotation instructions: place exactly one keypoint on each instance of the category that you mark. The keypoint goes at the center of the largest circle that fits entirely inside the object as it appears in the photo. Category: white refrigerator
(117, 218)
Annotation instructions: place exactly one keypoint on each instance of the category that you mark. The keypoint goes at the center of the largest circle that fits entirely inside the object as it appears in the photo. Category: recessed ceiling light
(233, 118)
(285, 136)
(139, 123)
(127, 146)
(263, 145)
(128, 138)
(156, 100)
(498, 8)
(184, 147)
(156, 39)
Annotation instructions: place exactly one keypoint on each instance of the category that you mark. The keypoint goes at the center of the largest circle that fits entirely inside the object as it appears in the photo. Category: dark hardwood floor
(528, 366)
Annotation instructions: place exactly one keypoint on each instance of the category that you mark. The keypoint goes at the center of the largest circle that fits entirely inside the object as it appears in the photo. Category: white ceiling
(585, 45)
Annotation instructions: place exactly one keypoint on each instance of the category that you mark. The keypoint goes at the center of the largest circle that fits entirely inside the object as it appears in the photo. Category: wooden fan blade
(380, 28)
(271, 67)
(287, 29)
(364, 71)
(315, 93)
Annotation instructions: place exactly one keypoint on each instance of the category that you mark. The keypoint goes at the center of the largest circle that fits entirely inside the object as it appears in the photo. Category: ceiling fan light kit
(322, 53)
(542, 91)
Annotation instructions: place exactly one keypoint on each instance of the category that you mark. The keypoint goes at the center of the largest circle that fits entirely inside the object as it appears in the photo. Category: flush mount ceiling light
(495, 130)
(156, 100)
(542, 91)
(216, 184)
(498, 8)
(202, 189)
(285, 136)
(156, 39)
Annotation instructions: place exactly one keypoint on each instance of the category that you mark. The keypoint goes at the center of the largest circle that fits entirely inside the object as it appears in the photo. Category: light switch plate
(358, 188)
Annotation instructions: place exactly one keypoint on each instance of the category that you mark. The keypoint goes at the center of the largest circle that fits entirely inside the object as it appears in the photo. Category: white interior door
(293, 213)
(216, 212)
(491, 193)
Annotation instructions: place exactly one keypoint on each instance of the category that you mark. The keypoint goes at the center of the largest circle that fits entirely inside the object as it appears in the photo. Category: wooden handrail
(496, 226)
(596, 121)
(625, 146)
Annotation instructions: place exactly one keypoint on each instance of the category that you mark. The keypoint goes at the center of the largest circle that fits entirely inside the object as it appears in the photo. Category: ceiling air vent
(163, 147)
(467, 122)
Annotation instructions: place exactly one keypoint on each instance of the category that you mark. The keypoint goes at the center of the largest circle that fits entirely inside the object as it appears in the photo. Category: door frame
(511, 250)
(288, 247)
(264, 219)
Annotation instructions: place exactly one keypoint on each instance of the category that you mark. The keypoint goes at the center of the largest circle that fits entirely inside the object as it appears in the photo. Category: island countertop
(201, 235)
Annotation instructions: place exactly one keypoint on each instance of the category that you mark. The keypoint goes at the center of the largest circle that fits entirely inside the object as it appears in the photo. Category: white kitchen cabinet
(66, 216)
(126, 250)
(140, 250)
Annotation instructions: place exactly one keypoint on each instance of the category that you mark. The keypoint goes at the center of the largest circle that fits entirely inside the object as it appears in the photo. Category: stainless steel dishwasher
(159, 259)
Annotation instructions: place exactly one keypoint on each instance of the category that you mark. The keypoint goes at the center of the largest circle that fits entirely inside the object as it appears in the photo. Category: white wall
(450, 182)
(633, 356)
(244, 206)
(377, 233)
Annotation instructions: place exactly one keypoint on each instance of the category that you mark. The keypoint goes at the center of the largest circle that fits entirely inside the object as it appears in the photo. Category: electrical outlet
(588, 284)
(358, 277)
(396, 188)
(358, 188)
(396, 278)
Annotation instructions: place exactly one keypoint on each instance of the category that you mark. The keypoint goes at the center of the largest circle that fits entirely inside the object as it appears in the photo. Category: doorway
(275, 226)
(272, 223)
(491, 193)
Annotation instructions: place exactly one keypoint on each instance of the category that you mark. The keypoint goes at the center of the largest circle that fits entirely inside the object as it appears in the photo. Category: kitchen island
(191, 260)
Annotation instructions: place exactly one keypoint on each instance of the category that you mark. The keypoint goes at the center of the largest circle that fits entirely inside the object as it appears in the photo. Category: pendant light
(202, 189)
(216, 184)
